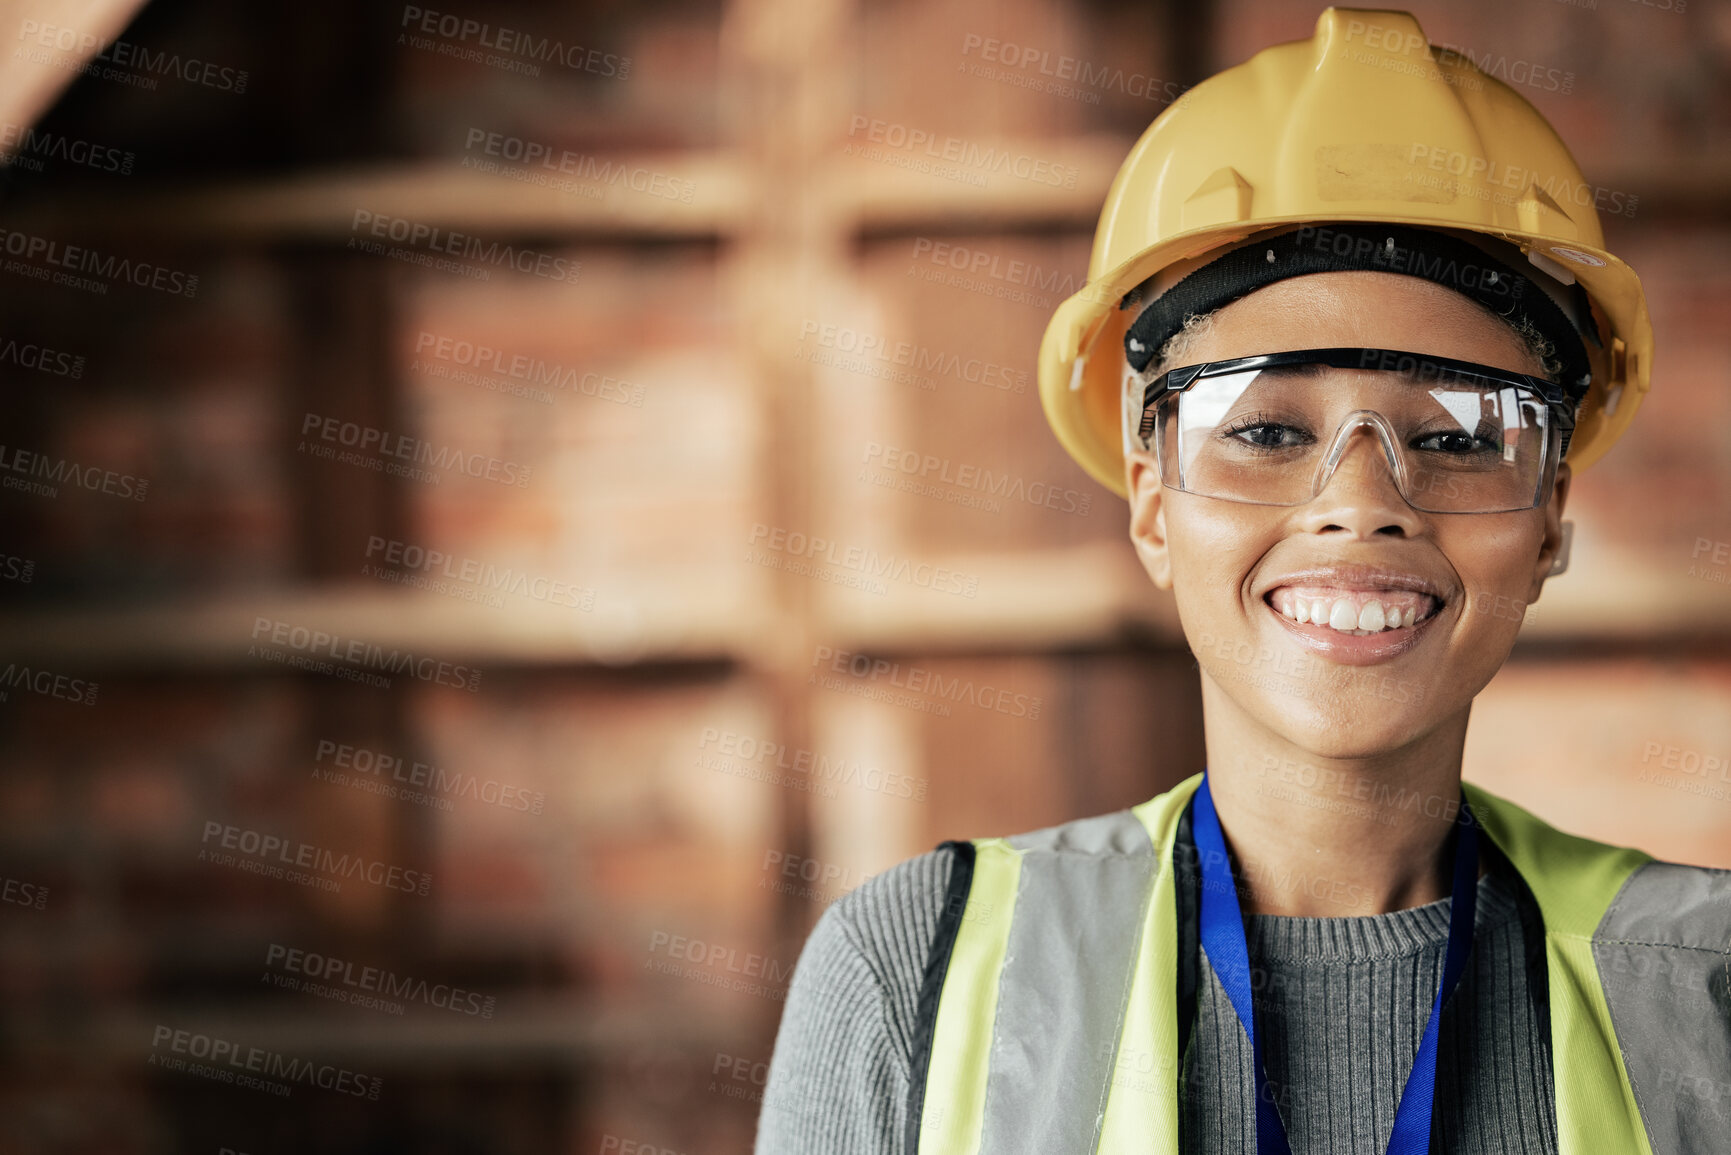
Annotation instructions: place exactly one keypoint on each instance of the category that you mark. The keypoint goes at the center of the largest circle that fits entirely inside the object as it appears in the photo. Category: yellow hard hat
(1365, 121)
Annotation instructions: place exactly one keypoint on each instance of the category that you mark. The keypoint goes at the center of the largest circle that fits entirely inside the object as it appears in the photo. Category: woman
(1344, 401)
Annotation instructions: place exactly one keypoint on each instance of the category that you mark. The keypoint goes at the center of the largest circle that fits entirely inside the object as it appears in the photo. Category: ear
(1554, 547)
(1148, 516)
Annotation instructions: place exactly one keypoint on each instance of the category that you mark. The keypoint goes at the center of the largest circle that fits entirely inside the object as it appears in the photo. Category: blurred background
(509, 511)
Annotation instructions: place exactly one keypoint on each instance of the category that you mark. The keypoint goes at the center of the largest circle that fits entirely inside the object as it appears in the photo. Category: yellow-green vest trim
(1049, 1018)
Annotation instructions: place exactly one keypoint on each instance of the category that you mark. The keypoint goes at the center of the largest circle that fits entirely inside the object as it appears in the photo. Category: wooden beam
(50, 42)
(682, 195)
(230, 633)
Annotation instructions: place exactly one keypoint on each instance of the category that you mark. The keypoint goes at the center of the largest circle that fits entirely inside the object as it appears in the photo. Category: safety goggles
(1458, 437)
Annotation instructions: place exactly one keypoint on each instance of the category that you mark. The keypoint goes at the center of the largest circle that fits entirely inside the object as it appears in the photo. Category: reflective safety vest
(1049, 1017)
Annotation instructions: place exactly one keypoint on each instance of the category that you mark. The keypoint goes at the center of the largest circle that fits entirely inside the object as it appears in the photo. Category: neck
(1330, 836)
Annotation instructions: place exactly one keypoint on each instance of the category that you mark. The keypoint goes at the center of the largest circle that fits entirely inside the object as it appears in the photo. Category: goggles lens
(1455, 436)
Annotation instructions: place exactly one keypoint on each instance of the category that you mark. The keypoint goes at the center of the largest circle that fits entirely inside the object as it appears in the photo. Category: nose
(1359, 495)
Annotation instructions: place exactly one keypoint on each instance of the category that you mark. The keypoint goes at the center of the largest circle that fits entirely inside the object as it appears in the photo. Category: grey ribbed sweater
(1342, 1006)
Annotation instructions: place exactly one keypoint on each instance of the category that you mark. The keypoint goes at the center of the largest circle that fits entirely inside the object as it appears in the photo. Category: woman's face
(1240, 572)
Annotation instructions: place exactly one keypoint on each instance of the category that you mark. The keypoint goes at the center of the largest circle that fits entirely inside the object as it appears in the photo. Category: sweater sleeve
(838, 1080)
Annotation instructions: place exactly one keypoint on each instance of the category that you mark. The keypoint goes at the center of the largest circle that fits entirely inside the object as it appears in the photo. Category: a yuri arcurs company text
(352, 659)
(271, 855)
(378, 772)
(227, 1061)
(369, 987)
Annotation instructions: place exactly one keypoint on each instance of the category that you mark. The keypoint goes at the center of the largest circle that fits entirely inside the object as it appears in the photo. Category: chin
(1348, 742)
(1372, 716)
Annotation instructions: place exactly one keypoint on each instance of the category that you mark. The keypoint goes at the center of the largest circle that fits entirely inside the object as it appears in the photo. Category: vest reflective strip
(1142, 1105)
(1065, 981)
(1664, 961)
(967, 1009)
(1574, 881)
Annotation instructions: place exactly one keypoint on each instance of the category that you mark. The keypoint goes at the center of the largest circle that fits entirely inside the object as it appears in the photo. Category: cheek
(1495, 564)
(1215, 544)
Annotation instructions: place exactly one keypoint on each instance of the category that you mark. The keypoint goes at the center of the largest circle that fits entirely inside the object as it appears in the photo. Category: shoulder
(1608, 892)
(862, 967)
(1672, 904)
(1114, 833)
(889, 921)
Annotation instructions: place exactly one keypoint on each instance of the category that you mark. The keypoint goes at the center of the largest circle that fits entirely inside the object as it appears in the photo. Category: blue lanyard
(1221, 928)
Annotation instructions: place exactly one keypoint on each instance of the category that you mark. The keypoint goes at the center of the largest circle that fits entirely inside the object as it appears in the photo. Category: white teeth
(1339, 614)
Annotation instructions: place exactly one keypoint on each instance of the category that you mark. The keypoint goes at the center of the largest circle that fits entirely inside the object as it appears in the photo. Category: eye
(1260, 431)
(1458, 443)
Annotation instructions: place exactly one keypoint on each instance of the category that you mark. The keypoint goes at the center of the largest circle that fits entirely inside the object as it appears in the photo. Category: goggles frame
(1559, 400)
